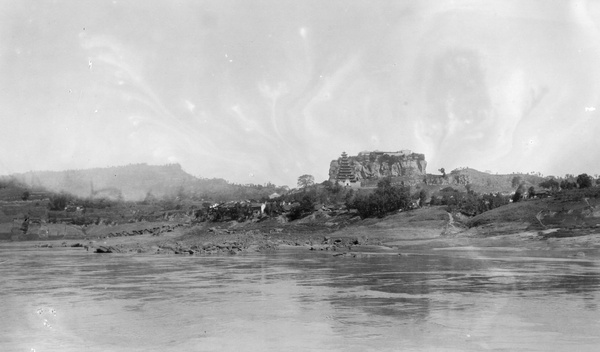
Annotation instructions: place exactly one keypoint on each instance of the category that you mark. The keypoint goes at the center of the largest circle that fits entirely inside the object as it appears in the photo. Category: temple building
(345, 175)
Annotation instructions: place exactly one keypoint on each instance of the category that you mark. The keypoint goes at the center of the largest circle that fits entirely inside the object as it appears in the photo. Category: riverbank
(430, 228)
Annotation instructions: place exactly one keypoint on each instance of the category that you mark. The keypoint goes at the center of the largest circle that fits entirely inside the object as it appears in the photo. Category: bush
(59, 202)
(468, 203)
(422, 197)
(575, 195)
(584, 181)
(516, 181)
(550, 184)
(305, 206)
(520, 193)
(82, 220)
(517, 196)
(387, 198)
(566, 184)
(295, 213)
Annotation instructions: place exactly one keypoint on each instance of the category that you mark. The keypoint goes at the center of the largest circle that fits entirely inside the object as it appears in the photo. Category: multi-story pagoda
(345, 173)
(365, 169)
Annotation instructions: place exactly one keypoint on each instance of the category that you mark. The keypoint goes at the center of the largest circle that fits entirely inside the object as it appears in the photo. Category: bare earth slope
(539, 225)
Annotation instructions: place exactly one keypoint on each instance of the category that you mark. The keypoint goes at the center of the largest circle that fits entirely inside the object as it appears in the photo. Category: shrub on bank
(469, 203)
(387, 198)
(302, 208)
(570, 195)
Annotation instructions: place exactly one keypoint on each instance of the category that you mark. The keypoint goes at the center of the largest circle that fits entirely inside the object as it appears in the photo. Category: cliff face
(369, 167)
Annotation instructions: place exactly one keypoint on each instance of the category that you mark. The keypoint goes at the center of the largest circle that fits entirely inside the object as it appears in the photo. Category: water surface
(64, 299)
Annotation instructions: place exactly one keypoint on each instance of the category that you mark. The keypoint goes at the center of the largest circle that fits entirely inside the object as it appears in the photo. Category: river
(65, 299)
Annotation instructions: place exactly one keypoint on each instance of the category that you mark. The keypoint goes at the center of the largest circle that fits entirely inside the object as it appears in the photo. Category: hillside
(11, 189)
(131, 182)
(136, 182)
(569, 209)
(482, 182)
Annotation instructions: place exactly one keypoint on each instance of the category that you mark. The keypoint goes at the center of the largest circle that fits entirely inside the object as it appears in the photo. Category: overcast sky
(258, 91)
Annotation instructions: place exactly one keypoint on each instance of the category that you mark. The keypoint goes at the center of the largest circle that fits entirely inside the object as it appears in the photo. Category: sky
(265, 91)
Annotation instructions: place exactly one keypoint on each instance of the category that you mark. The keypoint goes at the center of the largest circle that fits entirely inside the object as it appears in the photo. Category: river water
(65, 299)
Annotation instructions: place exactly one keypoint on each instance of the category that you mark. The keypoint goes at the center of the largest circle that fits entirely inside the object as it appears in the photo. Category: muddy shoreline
(346, 235)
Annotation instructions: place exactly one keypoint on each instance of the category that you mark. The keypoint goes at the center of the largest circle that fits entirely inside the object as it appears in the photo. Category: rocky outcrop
(371, 166)
(107, 249)
(155, 231)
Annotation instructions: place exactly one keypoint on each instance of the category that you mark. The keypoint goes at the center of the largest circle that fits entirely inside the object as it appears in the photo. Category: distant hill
(138, 181)
(131, 182)
(11, 189)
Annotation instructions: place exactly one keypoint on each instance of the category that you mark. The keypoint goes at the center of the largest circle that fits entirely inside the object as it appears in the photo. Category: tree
(181, 193)
(150, 198)
(516, 181)
(584, 181)
(59, 202)
(517, 196)
(469, 188)
(422, 197)
(332, 188)
(305, 181)
(519, 193)
(566, 184)
(550, 183)
(25, 195)
(304, 206)
(387, 198)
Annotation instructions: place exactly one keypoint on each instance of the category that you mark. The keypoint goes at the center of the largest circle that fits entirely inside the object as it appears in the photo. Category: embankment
(524, 227)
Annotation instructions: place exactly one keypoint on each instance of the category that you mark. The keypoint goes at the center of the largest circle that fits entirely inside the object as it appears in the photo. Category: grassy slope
(424, 223)
(488, 183)
(483, 183)
(581, 215)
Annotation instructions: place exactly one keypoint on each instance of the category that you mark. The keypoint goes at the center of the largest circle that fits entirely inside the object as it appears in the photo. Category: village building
(274, 195)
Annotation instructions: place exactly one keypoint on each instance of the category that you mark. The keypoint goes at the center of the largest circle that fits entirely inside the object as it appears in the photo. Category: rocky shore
(345, 235)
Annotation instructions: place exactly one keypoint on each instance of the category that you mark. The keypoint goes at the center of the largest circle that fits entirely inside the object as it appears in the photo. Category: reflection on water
(67, 300)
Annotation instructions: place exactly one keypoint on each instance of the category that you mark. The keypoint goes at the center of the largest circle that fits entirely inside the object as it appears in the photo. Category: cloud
(303, 32)
(489, 84)
(465, 82)
(273, 94)
(190, 106)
